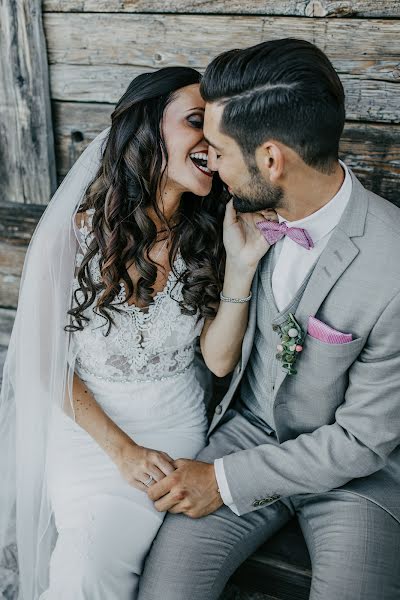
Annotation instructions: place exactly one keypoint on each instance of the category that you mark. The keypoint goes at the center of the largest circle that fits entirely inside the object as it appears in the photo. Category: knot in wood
(315, 8)
(396, 72)
(76, 136)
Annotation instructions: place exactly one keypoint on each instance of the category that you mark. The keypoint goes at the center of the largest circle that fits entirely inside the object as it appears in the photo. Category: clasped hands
(191, 489)
(180, 486)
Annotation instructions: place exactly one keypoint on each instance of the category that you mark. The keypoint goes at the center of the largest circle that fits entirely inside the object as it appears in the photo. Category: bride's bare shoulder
(83, 219)
(83, 227)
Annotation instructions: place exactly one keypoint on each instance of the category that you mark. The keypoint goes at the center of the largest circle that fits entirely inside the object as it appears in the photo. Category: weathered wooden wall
(95, 47)
(27, 164)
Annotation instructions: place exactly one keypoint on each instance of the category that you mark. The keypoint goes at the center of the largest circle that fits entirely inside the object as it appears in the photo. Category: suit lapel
(334, 260)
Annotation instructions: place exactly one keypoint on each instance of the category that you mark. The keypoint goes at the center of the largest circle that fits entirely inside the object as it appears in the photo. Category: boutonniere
(292, 338)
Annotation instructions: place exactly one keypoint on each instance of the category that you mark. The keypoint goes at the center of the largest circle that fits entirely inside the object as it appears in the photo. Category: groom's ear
(270, 159)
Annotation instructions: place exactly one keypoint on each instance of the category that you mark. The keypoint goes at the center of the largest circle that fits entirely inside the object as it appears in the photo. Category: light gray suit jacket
(337, 420)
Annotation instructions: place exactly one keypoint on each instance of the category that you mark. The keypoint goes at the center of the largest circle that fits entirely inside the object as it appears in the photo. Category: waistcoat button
(218, 409)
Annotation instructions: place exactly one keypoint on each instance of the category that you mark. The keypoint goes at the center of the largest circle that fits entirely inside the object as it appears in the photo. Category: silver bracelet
(235, 300)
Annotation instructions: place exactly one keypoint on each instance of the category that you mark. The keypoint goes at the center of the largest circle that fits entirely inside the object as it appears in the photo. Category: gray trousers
(354, 544)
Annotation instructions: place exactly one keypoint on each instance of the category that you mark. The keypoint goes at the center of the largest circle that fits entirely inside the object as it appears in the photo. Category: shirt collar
(321, 222)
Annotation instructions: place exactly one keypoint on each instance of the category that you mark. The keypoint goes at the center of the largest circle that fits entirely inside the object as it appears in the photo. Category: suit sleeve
(366, 430)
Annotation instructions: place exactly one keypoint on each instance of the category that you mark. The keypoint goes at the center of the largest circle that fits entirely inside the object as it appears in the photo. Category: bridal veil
(35, 377)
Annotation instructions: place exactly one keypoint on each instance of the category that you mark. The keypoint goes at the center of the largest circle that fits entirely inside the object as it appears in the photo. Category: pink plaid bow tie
(273, 232)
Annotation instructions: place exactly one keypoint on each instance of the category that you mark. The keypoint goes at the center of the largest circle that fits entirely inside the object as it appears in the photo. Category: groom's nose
(212, 159)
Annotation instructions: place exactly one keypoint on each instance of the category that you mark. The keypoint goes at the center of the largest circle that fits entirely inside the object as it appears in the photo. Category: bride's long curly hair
(125, 187)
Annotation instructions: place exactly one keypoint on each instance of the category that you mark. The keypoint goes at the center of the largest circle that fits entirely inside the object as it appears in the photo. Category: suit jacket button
(218, 409)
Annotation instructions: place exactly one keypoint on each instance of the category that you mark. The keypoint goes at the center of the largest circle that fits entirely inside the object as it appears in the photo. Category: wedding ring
(148, 482)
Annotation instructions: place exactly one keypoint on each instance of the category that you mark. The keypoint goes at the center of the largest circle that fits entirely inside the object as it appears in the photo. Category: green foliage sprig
(292, 338)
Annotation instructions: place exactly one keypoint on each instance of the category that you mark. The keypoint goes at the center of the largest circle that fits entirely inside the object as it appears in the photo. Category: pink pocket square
(322, 332)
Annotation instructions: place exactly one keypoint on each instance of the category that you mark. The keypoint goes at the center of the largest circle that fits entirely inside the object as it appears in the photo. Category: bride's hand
(136, 464)
(244, 243)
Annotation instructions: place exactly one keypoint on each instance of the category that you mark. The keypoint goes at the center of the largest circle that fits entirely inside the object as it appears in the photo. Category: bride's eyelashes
(196, 121)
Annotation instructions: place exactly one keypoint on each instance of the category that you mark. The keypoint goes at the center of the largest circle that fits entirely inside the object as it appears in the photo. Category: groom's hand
(191, 489)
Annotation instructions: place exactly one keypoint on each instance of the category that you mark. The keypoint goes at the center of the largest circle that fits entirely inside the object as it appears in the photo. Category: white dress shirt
(291, 264)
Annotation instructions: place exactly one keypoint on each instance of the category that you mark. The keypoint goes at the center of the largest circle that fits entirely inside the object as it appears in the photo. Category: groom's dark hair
(285, 90)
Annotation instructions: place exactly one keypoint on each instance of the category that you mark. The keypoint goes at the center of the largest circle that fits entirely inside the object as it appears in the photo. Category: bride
(100, 392)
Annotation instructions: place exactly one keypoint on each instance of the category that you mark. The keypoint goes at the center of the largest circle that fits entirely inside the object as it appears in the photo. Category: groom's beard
(259, 195)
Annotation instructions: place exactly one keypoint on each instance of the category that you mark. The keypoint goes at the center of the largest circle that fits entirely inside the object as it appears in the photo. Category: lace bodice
(143, 345)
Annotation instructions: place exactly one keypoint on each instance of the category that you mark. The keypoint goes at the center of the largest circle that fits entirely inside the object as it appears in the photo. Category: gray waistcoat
(256, 393)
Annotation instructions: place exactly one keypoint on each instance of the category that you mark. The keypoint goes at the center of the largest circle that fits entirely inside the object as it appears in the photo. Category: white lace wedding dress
(143, 376)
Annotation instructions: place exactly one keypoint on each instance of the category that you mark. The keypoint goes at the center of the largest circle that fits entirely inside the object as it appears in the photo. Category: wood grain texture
(373, 151)
(75, 126)
(7, 316)
(27, 165)
(11, 263)
(155, 40)
(300, 8)
(366, 99)
(94, 57)
(17, 224)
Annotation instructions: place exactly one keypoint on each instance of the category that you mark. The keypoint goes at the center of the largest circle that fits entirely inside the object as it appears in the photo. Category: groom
(322, 443)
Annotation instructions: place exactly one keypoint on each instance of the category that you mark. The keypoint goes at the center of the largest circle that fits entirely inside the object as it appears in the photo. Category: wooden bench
(281, 568)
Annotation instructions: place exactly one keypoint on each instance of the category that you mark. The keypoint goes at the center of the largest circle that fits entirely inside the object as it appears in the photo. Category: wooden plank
(3, 352)
(300, 8)
(7, 316)
(234, 592)
(11, 263)
(106, 83)
(27, 164)
(366, 99)
(159, 40)
(373, 151)
(75, 126)
(273, 576)
(17, 224)
(369, 100)
(94, 57)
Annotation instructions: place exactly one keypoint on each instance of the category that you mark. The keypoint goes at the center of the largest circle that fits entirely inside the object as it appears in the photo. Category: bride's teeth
(201, 155)
(205, 169)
